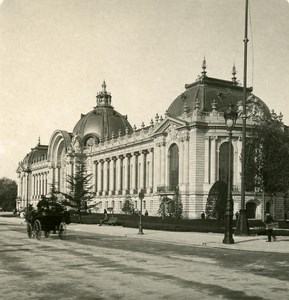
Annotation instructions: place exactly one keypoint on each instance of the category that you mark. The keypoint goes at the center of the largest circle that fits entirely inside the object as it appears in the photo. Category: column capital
(214, 138)
(160, 144)
(51, 165)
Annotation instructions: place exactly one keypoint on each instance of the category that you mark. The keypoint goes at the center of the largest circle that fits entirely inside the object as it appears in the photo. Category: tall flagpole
(242, 227)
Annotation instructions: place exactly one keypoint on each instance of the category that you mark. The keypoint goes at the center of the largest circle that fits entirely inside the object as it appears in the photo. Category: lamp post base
(228, 240)
(228, 237)
(242, 226)
(140, 229)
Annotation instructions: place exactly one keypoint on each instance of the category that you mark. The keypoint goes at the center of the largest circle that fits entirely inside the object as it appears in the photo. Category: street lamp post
(230, 119)
(242, 226)
(141, 196)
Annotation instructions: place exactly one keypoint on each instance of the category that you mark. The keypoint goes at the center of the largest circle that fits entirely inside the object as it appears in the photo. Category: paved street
(116, 263)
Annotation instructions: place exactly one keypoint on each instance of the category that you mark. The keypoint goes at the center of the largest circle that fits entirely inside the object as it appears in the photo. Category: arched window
(90, 140)
(173, 167)
(251, 210)
(224, 163)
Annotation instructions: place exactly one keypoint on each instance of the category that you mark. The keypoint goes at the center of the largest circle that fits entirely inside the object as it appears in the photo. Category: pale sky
(54, 56)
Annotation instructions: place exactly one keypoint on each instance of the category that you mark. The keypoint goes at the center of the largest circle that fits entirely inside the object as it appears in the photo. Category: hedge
(170, 224)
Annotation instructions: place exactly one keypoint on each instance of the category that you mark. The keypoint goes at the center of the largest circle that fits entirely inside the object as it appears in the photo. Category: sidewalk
(215, 240)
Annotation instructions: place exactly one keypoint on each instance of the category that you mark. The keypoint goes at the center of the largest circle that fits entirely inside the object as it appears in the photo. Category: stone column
(58, 177)
(157, 166)
(46, 183)
(150, 170)
(36, 186)
(213, 159)
(163, 164)
(95, 165)
(43, 184)
(133, 172)
(143, 159)
(111, 176)
(99, 177)
(207, 161)
(39, 185)
(33, 186)
(19, 186)
(181, 162)
(105, 176)
(186, 161)
(125, 174)
(119, 175)
(53, 176)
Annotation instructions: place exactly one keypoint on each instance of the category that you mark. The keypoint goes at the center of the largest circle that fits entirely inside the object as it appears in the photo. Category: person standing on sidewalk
(269, 227)
(106, 217)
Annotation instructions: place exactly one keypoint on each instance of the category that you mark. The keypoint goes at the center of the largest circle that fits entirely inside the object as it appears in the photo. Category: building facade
(186, 148)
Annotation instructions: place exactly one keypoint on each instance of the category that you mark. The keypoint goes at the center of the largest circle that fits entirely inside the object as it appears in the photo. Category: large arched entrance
(224, 163)
(217, 200)
(173, 167)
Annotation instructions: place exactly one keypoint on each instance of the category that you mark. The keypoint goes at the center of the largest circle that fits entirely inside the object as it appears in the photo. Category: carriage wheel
(37, 229)
(47, 234)
(29, 230)
(62, 230)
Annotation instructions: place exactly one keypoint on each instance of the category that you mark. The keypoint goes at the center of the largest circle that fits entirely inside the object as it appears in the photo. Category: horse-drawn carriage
(49, 218)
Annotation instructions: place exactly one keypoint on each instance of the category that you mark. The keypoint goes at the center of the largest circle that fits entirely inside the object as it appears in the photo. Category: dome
(204, 92)
(37, 154)
(103, 122)
(207, 93)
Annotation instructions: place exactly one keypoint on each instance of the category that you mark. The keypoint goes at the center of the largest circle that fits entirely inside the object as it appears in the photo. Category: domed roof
(37, 154)
(206, 93)
(103, 121)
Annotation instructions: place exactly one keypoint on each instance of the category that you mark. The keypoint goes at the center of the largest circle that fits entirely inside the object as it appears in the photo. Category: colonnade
(55, 177)
(124, 174)
(39, 184)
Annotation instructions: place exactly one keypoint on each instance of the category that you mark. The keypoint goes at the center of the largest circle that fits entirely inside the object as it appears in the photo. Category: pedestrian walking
(105, 219)
(269, 223)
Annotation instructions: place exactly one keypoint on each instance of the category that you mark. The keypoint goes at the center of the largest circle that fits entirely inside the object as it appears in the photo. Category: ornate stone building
(188, 148)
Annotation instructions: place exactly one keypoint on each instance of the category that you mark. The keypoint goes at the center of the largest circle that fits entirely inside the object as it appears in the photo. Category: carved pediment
(169, 125)
(20, 168)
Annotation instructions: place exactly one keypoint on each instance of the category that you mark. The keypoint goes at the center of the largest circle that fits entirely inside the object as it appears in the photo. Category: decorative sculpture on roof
(172, 132)
(76, 144)
(254, 108)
